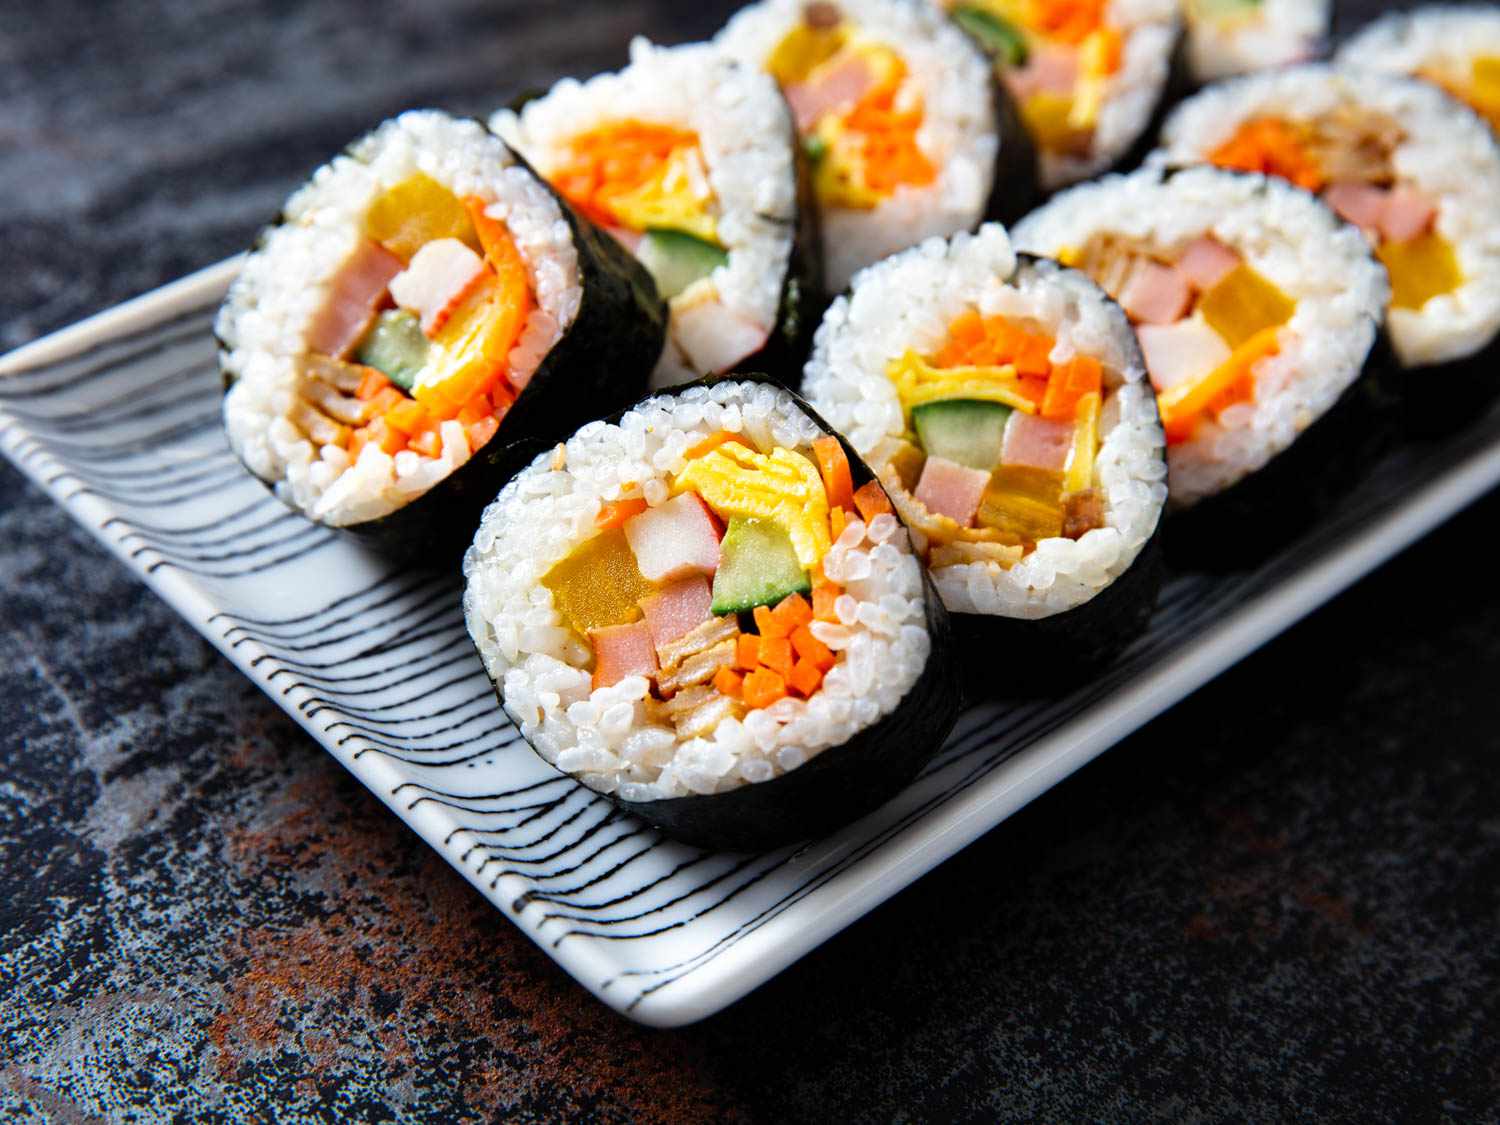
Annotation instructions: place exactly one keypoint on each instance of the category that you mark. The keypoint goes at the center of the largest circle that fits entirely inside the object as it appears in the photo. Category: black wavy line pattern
(381, 665)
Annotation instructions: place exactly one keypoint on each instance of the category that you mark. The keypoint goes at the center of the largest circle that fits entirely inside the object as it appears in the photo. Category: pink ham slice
(674, 540)
(679, 609)
(842, 86)
(439, 276)
(1360, 204)
(1407, 213)
(1036, 442)
(1155, 294)
(1048, 70)
(620, 651)
(354, 295)
(951, 489)
(1206, 262)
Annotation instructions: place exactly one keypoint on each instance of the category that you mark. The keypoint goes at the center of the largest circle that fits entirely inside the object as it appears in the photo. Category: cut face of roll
(688, 158)
(1087, 75)
(1256, 309)
(1229, 37)
(407, 321)
(708, 611)
(1456, 47)
(1398, 158)
(896, 113)
(1004, 404)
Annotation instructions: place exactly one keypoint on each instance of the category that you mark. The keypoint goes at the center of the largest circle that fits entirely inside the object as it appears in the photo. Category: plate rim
(890, 863)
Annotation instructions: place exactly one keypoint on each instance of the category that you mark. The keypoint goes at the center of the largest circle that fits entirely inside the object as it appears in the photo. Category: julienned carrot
(1080, 376)
(762, 688)
(792, 611)
(808, 647)
(747, 652)
(837, 521)
(776, 654)
(371, 385)
(834, 466)
(767, 624)
(806, 678)
(823, 598)
(728, 681)
(871, 500)
(613, 513)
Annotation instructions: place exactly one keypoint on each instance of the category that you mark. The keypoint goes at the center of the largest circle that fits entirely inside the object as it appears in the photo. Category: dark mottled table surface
(1280, 899)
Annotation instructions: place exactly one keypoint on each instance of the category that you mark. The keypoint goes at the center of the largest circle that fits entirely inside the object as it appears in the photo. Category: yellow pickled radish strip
(803, 49)
(781, 486)
(1080, 472)
(418, 210)
(1424, 268)
(1023, 503)
(918, 382)
(1245, 304)
(1049, 118)
(1184, 402)
(599, 584)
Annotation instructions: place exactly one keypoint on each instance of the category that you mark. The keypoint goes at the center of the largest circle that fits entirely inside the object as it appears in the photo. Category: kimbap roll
(424, 309)
(706, 609)
(1456, 47)
(689, 159)
(897, 112)
(1003, 402)
(1229, 37)
(1087, 75)
(1416, 170)
(1256, 310)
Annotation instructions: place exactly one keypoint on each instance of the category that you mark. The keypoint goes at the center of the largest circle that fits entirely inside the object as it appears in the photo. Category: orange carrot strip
(871, 500)
(776, 654)
(480, 432)
(476, 409)
(762, 687)
(408, 416)
(747, 652)
(766, 623)
(838, 519)
(792, 612)
(1080, 376)
(810, 648)
(613, 513)
(834, 466)
(806, 678)
(371, 385)
(823, 598)
(728, 681)
(427, 442)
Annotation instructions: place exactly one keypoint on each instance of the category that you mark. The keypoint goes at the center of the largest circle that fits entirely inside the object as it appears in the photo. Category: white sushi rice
(746, 137)
(1439, 37)
(1288, 237)
(1273, 33)
(283, 284)
(906, 303)
(1150, 29)
(958, 132)
(603, 736)
(1448, 154)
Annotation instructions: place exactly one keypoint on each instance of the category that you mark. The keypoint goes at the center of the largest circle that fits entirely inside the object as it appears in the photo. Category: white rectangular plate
(118, 419)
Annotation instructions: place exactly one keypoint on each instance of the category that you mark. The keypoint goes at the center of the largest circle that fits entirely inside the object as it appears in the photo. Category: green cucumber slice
(395, 347)
(967, 431)
(675, 260)
(997, 35)
(757, 566)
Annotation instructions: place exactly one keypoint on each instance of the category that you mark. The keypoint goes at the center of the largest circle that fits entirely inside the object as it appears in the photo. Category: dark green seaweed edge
(1063, 646)
(839, 784)
(602, 363)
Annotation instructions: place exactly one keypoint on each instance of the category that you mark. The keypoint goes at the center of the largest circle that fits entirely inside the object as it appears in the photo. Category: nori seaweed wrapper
(1051, 653)
(602, 363)
(841, 783)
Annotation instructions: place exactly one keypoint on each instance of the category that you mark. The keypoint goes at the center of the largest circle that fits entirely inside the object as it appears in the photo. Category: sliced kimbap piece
(1229, 37)
(1087, 75)
(706, 609)
(689, 159)
(1416, 171)
(1256, 311)
(424, 310)
(1454, 46)
(1003, 402)
(899, 115)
